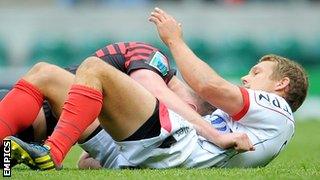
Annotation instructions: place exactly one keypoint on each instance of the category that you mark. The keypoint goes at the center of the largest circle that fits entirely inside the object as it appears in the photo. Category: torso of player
(268, 122)
(131, 56)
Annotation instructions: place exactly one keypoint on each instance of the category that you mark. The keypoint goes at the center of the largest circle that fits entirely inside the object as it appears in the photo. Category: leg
(126, 105)
(21, 106)
(54, 83)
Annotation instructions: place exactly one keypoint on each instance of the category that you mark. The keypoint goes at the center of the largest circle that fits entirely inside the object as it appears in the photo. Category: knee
(93, 72)
(92, 66)
(42, 73)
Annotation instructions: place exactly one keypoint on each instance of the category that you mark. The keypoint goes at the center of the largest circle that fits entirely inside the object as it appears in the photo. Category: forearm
(201, 78)
(195, 72)
(204, 80)
(202, 127)
(156, 86)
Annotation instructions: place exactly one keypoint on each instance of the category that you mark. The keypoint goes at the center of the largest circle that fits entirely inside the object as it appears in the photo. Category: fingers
(252, 148)
(250, 145)
(243, 143)
(162, 12)
(168, 28)
(154, 20)
(159, 16)
(162, 15)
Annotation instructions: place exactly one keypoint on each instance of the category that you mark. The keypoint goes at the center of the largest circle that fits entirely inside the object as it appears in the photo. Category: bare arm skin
(207, 83)
(156, 86)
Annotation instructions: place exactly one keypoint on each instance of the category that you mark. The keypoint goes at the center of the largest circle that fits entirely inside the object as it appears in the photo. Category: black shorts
(151, 128)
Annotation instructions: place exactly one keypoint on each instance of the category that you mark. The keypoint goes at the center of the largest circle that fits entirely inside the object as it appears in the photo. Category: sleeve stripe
(99, 53)
(122, 47)
(111, 49)
(137, 51)
(117, 48)
(246, 105)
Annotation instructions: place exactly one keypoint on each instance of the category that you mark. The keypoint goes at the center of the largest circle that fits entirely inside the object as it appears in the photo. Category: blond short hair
(298, 85)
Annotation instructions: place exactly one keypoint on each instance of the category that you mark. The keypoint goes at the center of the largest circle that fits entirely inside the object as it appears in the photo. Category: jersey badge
(160, 62)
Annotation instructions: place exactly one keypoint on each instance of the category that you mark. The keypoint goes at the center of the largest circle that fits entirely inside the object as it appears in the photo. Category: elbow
(209, 88)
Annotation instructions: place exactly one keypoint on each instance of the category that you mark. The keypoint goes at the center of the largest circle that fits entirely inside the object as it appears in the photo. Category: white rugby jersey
(268, 121)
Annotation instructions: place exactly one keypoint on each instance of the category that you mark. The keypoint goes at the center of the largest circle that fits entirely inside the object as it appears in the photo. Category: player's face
(259, 77)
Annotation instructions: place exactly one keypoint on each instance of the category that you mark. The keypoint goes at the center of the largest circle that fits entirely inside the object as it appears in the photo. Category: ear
(193, 106)
(283, 84)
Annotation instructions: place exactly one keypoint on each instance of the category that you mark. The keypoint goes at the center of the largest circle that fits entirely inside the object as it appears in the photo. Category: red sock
(81, 108)
(19, 108)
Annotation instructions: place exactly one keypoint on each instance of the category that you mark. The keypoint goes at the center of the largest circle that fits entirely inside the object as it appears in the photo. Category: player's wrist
(222, 141)
(174, 42)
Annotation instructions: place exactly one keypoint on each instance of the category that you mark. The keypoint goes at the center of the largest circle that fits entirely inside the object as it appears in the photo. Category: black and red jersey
(126, 57)
(130, 56)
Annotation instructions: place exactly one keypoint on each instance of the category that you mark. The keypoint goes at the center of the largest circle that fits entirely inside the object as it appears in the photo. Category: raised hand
(168, 28)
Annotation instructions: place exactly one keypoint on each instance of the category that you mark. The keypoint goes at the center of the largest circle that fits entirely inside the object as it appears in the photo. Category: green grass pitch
(300, 160)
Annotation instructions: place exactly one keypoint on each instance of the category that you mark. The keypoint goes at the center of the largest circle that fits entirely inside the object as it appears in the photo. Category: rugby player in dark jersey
(126, 57)
(131, 112)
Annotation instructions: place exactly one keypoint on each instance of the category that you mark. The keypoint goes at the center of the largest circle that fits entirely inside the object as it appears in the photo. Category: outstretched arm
(207, 83)
(155, 84)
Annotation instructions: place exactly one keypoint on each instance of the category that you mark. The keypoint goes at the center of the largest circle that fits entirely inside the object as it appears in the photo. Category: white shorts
(188, 149)
(103, 148)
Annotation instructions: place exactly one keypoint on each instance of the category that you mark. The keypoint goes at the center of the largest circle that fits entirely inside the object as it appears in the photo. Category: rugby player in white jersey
(144, 63)
(273, 89)
(150, 135)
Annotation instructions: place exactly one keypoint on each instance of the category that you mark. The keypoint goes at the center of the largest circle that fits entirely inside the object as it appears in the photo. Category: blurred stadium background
(230, 35)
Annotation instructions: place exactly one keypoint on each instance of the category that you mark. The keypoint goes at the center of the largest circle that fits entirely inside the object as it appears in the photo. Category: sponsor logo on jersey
(273, 102)
(220, 124)
(160, 62)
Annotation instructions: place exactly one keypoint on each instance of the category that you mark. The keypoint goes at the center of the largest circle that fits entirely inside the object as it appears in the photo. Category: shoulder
(262, 108)
(271, 103)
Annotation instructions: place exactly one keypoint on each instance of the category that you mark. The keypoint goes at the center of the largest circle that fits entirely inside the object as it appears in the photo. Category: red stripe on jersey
(135, 58)
(131, 53)
(111, 49)
(137, 44)
(246, 105)
(122, 47)
(100, 53)
(164, 117)
(140, 47)
(139, 57)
